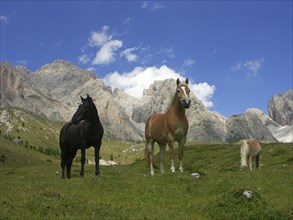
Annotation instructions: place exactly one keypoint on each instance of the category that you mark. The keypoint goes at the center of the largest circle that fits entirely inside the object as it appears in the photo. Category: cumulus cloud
(107, 47)
(134, 82)
(204, 92)
(98, 38)
(107, 52)
(129, 55)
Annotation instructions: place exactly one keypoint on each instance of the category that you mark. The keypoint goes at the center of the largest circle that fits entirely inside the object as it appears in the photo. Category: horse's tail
(62, 135)
(147, 156)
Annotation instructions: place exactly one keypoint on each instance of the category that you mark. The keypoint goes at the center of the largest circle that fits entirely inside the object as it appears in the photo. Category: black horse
(83, 131)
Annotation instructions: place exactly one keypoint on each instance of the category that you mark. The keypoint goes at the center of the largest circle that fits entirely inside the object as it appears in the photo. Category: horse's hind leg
(97, 158)
(64, 158)
(257, 161)
(82, 161)
(250, 161)
(162, 156)
(150, 147)
(69, 163)
(181, 151)
(63, 162)
(68, 168)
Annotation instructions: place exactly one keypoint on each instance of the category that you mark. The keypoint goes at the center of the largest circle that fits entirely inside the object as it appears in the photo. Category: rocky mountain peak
(54, 91)
(280, 108)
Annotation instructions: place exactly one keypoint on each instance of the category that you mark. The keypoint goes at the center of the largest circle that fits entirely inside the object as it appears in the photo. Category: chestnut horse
(169, 127)
(250, 154)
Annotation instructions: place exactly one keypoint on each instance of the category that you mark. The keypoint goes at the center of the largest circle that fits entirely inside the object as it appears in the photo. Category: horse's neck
(176, 109)
(94, 118)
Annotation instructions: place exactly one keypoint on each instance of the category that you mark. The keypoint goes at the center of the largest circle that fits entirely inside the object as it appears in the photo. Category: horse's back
(253, 147)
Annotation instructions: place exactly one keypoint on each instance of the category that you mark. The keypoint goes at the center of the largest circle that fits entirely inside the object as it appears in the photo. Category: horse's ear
(82, 99)
(187, 81)
(178, 81)
(87, 96)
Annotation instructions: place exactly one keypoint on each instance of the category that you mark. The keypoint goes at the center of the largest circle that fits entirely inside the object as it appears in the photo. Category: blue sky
(237, 54)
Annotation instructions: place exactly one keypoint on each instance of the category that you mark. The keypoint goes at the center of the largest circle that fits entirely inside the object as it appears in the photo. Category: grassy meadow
(32, 188)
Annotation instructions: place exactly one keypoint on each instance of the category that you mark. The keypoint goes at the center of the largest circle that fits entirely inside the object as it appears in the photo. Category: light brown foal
(250, 151)
(169, 127)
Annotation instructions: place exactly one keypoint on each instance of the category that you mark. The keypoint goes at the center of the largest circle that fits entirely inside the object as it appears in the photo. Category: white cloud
(84, 58)
(134, 82)
(168, 52)
(250, 67)
(129, 55)
(152, 5)
(4, 19)
(253, 65)
(92, 69)
(188, 63)
(204, 92)
(128, 20)
(107, 52)
(107, 47)
(98, 38)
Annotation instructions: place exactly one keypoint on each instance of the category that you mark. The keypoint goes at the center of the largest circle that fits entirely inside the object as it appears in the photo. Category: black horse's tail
(63, 134)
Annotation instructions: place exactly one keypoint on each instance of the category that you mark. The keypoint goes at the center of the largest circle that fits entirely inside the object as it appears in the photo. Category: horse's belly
(179, 134)
(159, 136)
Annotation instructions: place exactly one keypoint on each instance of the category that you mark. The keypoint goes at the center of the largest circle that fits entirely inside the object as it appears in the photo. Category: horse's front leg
(97, 158)
(82, 161)
(172, 155)
(162, 156)
(250, 162)
(181, 151)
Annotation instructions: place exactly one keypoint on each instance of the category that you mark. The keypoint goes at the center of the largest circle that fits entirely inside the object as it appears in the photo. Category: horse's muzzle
(186, 103)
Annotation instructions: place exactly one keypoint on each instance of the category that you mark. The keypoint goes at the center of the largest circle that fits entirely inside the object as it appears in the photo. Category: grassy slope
(41, 133)
(129, 192)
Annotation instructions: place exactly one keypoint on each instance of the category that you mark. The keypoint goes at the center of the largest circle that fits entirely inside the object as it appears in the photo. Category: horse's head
(183, 93)
(83, 110)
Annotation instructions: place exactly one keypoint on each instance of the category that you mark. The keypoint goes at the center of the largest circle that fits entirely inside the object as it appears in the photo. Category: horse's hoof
(152, 173)
(181, 169)
(173, 169)
(97, 174)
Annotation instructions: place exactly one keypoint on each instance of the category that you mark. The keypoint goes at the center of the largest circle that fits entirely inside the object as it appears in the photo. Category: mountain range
(53, 92)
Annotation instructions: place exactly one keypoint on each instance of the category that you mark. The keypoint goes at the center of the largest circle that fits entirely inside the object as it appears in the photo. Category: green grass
(38, 133)
(34, 191)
